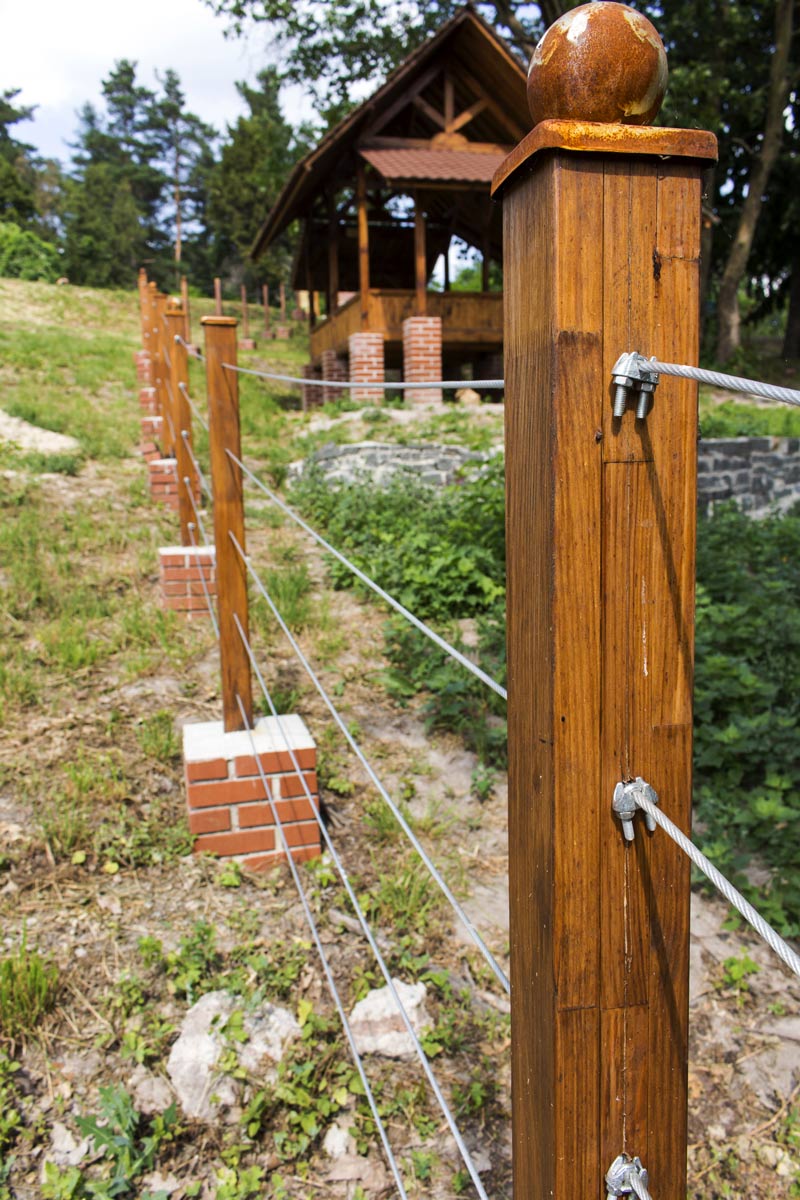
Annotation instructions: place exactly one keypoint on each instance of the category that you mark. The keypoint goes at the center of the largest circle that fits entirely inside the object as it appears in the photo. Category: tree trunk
(791, 340)
(728, 333)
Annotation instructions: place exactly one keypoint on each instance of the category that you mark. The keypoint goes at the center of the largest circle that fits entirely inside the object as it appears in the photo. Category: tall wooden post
(363, 246)
(182, 419)
(245, 313)
(217, 296)
(420, 260)
(283, 302)
(143, 308)
(187, 320)
(226, 483)
(333, 257)
(601, 246)
(265, 298)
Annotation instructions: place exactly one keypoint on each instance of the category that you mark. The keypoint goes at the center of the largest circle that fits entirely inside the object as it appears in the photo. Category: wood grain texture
(363, 246)
(600, 257)
(182, 416)
(420, 261)
(226, 482)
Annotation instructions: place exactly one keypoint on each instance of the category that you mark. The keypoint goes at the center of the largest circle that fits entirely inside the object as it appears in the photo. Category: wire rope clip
(618, 1176)
(633, 373)
(625, 804)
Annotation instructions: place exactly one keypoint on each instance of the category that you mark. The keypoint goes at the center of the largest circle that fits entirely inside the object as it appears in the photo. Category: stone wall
(759, 473)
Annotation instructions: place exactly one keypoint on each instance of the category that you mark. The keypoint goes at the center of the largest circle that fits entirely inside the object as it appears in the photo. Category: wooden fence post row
(601, 245)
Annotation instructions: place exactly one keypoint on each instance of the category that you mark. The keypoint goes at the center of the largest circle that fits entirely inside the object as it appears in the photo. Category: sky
(58, 51)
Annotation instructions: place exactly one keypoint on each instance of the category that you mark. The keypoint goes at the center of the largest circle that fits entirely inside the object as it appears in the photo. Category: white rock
(202, 1091)
(377, 1025)
(64, 1150)
(150, 1093)
(336, 1141)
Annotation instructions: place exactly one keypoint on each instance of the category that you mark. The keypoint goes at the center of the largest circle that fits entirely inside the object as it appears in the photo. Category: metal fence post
(601, 247)
(226, 483)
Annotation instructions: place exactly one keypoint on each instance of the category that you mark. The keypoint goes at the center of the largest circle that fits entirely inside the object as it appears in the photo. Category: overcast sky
(58, 51)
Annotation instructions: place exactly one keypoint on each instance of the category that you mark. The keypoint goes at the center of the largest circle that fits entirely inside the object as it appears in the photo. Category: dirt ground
(744, 1128)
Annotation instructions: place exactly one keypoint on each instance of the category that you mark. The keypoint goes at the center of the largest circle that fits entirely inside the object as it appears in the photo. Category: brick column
(148, 400)
(366, 365)
(150, 440)
(182, 571)
(422, 357)
(143, 366)
(229, 813)
(335, 369)
(310, 395)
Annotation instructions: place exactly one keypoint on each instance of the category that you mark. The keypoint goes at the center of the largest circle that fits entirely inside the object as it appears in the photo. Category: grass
(28, 990)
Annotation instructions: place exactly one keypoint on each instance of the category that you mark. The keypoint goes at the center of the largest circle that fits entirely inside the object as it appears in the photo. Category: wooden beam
(226, 482)
(401, 143)
(419, 85)
(600, 605)
(467, 115)
(333, 257)
(420, 259)
(497, 110)
(449, 101)
(430, 111)
(363, 246)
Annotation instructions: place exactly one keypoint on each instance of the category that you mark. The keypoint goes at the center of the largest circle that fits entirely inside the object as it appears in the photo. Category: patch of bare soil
(120, 1005)
(33, 437)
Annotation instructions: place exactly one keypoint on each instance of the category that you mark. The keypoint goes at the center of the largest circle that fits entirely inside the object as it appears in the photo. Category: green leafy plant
(127, 1143)
(157, 737)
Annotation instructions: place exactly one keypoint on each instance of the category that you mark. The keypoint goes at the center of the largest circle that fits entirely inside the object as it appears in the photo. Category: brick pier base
(163, 481)
(247, 344)
(229, 813)
(150, 440)
(143, 365)
(366, 365)
(148, 400)
(310, 393)
(182, 571)
(335, 369)
(422, 357)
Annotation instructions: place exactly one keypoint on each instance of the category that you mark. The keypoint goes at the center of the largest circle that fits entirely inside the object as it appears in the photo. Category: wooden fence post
(157, 362)
(265, 297)
(144, 308)
(182, 420)
(217, 297)
(245, 342)
(187, 320)
(226, 483)
(601, 246)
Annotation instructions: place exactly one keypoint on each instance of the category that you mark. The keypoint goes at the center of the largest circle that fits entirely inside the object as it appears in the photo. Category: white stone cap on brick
(205, 740)
(160, 462)
(194, 551)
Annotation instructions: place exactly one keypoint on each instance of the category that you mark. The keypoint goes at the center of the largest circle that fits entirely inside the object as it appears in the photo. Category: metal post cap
(599, 62)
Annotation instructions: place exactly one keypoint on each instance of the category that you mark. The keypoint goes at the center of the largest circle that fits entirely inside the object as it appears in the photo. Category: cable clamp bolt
(625, 806)
(632, 372)
(619, 1174)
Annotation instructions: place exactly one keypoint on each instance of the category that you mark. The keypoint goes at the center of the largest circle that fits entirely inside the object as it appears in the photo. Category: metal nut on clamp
(625, 806)
(625, 375)
(618, 1176)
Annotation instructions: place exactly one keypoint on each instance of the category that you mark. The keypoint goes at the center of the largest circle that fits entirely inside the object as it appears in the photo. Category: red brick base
(163, 481)
(143, 365)
(310, 393)
(182, 571)
(366, 365)
(247, 344)
(150, 439)
(148, 400)
(229, 813)
(335, 369)
(422, 357)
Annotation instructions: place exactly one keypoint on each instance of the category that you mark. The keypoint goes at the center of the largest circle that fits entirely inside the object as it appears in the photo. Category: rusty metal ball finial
(599, 62)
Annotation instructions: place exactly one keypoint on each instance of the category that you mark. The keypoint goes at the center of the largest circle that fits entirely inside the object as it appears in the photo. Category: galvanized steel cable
(427, 384)
(325, 965)
(733, 383)
(734, 897)
(362, 920)
(195, 463)
(197, 516)
(376, 588)
(206, 592)
(199, 416)
(489, 958)
(192, 351)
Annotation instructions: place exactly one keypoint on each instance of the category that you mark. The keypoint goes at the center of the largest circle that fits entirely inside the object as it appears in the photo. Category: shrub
(23, 255)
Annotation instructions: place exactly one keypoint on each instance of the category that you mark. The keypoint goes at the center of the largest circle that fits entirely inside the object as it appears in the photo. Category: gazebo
(381, 198)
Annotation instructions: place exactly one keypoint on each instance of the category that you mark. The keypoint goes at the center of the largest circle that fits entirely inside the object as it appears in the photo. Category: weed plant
(747, 680)
(28, 990)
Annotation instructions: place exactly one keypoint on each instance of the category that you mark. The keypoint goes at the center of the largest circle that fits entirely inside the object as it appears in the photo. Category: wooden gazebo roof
(437, 128)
